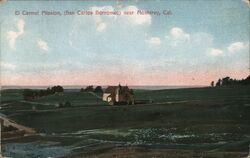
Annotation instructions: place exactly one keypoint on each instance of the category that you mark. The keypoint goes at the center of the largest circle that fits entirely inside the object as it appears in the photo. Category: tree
(89, 89)
(212, 84)
(28, 94)
(227, 81)
(246, 81)
(218, 83)
(57, 89)
(81, 90)
(41, 93)
(48, 91)
(60, 89)
(98, 89)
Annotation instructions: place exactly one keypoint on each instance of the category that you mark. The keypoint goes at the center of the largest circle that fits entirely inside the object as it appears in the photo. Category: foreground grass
(137, 152)
(195, 111)
(187, 108)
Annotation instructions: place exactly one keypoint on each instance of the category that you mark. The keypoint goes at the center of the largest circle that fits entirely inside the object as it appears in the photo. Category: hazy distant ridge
(104, 86)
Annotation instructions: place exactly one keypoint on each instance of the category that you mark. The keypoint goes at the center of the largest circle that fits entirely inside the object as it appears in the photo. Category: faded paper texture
(125, 78)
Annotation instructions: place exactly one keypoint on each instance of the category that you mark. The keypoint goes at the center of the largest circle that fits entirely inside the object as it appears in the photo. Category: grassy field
(189, 120)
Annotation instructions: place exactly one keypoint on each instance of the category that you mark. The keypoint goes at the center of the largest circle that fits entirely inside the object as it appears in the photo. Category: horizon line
(92, 85)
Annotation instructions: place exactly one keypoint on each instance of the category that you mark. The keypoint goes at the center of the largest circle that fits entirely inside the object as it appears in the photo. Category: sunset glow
(159, 44)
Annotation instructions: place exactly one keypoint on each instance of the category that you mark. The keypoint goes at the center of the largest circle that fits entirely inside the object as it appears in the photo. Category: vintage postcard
(125, 78)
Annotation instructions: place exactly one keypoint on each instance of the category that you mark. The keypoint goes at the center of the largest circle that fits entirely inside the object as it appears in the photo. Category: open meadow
(191, 122)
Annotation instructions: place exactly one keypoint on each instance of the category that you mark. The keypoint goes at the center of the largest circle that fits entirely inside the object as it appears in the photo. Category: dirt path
(7, 122)
(97, 96)
(36, 103)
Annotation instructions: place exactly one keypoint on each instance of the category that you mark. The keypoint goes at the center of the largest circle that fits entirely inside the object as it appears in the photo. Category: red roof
(112, 89)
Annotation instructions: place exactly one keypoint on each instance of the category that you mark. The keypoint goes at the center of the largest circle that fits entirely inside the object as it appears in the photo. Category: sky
(200, 41)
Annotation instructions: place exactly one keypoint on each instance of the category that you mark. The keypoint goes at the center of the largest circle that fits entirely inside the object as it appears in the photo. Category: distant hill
(78, 87)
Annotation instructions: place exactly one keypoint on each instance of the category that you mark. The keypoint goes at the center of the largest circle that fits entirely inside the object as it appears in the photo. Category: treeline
(227, 81)
(97, 89)
(29, 94)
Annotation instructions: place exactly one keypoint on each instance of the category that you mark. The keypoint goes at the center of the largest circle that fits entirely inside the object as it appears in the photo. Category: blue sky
(201, 41)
